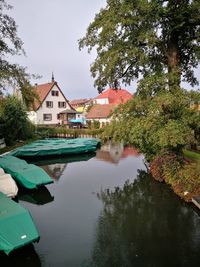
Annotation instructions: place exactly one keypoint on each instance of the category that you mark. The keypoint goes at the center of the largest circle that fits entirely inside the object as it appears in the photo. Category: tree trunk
(173, 60)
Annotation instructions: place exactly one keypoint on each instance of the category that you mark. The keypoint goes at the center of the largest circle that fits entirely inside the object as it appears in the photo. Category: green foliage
(183, 176)
(148, 38)
(165, 121)
(10, 44)
(14, 124)
(191, 155)
(65, 132)
(166, 166)
(190, 178)
(93, 124)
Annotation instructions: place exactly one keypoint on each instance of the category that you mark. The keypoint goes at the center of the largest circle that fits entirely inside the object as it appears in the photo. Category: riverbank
(17, 144)
(182, 173)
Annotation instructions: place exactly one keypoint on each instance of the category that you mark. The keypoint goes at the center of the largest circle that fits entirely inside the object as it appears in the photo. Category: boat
(16, 225)
(56, 147)
(7, 184)
(27, 175)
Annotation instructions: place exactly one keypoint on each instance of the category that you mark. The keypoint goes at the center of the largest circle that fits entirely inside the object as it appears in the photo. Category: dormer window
(54, 93)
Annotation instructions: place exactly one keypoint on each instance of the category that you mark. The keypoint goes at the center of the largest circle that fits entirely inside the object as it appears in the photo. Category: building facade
(50, 103)
(105, 103)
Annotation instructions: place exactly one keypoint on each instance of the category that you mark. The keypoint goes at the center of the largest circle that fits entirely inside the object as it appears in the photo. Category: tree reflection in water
(145, 224)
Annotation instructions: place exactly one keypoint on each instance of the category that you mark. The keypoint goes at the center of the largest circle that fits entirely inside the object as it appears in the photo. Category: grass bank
(181, 172)
(192, 155)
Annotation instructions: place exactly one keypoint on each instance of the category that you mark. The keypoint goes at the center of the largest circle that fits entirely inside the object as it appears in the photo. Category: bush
(93, 124)
(165, 167)
(56, 131)
(14, 124)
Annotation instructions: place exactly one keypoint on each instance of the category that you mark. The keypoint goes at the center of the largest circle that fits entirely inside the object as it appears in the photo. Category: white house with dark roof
(51, 102)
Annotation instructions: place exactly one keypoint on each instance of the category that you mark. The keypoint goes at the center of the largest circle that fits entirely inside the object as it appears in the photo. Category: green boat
(56, 147)
(28, 175)
(16, 225)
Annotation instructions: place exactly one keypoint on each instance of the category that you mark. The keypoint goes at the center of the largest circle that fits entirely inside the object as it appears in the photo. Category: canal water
(104, 210)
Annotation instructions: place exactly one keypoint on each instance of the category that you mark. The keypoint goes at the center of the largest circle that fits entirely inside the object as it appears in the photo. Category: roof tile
(115, 96)
(100, 111)
(42, 91)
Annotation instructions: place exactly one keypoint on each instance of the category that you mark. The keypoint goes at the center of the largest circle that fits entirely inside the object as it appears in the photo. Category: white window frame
(46, 115)
(55, 93)
(61, 104)
(49, 104)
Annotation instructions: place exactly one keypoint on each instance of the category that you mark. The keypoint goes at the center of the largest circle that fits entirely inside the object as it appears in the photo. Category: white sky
(50, 30)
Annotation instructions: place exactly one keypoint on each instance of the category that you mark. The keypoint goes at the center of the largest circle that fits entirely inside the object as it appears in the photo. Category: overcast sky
(50, 30)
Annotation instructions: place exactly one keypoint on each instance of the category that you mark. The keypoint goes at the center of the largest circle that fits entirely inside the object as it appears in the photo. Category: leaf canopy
(144, 38)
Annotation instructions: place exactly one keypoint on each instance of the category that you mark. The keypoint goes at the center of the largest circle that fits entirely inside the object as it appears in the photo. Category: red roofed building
(100, 111)
(113, 96)
(51, 102)
(105, 103)
(77, 103)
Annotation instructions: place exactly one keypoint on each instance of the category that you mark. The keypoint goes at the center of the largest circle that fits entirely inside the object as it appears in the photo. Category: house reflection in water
(56, 166)
(55, 170)
(113, 153)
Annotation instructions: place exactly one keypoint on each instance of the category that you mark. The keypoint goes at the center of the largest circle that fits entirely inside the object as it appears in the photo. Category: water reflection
(38, 196)
(23, 257)
(64, 159)
(144, 224)
(141, 223)
(113, 153)
(55, 166)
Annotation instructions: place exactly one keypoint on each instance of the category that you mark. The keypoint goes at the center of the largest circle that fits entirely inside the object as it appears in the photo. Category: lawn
(191, 154)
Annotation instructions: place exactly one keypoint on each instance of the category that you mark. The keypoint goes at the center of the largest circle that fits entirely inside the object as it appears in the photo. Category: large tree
(158, 42)
(10, 45)
(154, 39)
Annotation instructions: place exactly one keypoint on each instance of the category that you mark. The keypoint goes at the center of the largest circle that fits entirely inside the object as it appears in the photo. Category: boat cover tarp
(16, 225)
(27, 175)
(57, 146)
(8, 185)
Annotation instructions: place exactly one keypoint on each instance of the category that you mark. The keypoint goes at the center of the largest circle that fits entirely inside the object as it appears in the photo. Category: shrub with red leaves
(165, 166)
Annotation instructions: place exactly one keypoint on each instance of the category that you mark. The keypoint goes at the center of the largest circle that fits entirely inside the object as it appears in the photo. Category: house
(101, 113)
(113, 96)
(50, 104)
(105, 103)
(81, 104)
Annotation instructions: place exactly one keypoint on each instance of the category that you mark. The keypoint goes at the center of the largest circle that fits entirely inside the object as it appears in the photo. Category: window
(54, 93)
(49, 104)
(47, 117)
(62, 104)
